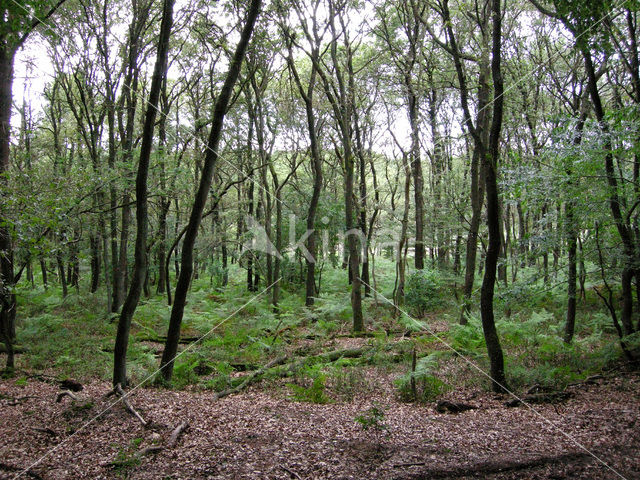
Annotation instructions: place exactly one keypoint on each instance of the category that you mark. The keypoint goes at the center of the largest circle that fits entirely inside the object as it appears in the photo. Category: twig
(290, 472)
(413, 464)
(48, 431)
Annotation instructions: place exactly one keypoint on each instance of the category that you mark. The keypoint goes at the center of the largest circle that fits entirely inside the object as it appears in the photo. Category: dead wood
(490, 467)
(409, 464)
(291, 368)
(72, 385)
(291, 472)
(151, 449)
(47, 430)
(255, 376)
(538, 398)
(12, 402)
(444, 406)
(10, 468)
(173, 439)
(123, 397)
(65, 393)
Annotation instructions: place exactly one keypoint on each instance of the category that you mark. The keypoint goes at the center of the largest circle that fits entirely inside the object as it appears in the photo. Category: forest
(342, 239)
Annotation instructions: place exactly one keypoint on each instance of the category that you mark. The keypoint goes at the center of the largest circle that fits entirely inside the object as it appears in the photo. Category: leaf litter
(262, 433)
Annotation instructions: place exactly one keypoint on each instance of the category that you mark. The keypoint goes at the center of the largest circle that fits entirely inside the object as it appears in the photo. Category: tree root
(123, 396)
(152, 449)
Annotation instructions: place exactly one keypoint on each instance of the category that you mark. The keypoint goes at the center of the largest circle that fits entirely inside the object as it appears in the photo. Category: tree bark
(140, 262)
(211, 158)
(493, 210)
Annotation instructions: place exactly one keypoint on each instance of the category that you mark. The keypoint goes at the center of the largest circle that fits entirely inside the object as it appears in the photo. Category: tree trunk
(140, 262)
(493, 211)
(211, 158)
(572, 241)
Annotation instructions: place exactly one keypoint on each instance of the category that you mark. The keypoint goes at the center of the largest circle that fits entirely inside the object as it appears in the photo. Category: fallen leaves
(263, 434)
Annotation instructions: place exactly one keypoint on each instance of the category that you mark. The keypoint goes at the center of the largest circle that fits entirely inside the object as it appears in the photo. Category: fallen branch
(409, 464)
(539, 398)
(151, 449)
(252, 378)
(123, 397)
(65, 393)
(444, 406)
(48, 431)
(10, 468)
(12, 402)
(291, 472)
(173, 439)
(490, 467)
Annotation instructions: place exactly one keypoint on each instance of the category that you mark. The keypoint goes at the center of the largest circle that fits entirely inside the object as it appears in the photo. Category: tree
(211, 158)
(20, 19)
(140, 265)
(493, 207)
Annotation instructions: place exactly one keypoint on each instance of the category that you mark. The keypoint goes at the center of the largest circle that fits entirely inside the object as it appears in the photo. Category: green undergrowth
(229, 339)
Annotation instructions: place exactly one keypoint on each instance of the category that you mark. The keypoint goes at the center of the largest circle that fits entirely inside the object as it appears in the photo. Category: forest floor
(262, 433)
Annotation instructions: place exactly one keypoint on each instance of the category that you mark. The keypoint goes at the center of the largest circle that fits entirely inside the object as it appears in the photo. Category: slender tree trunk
(211, 158)
(416, 171)
(572, 241)
(493, 210)
(43, 269)
(140, 263)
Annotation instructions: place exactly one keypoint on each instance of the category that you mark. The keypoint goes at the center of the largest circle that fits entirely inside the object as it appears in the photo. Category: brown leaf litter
(263, 434)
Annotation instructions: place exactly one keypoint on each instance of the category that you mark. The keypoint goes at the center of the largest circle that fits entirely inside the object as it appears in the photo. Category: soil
(263, 434)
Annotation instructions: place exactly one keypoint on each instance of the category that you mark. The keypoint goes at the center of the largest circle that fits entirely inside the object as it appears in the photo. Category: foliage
(373, 418)
(313, 385)
(427, 385)
(423, 291)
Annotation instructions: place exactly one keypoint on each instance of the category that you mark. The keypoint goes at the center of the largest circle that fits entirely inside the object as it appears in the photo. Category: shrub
(422, 292)
(373, 419)
(313, 393)
(427, 386)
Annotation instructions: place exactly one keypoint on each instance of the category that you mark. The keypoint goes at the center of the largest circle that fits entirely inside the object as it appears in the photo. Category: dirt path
(265, 435)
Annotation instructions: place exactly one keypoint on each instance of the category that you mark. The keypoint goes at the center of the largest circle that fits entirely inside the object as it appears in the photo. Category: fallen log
(65, 393)
(327, 357)
(539, 398)
(255, 376)
(444, 406)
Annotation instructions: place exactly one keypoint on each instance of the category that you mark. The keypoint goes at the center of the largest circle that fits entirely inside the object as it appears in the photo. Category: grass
(75, 336)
